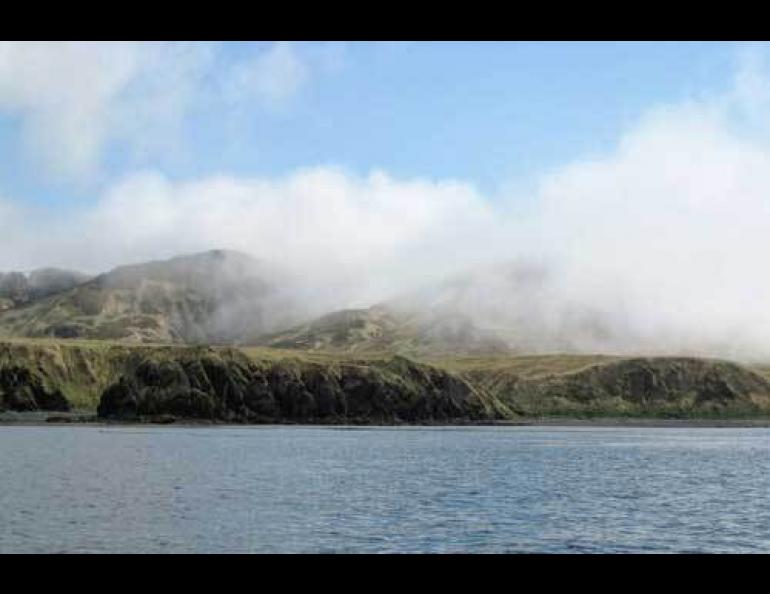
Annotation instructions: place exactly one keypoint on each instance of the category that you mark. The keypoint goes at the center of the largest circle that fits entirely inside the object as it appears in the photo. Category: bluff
(259, 385)
(228, 386)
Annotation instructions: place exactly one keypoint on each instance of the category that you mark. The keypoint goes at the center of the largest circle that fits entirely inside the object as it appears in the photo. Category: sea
(311, 489)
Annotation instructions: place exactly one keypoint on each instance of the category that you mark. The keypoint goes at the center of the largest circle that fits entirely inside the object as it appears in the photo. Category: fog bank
(658, 246)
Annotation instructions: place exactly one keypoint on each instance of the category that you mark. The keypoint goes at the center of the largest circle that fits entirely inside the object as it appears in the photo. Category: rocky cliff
(229, 387)
(271, 386)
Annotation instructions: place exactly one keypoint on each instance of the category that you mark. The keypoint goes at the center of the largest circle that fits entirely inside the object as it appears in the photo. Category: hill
(130, 382)
(215, 296)
(18, 288)
(383, 328)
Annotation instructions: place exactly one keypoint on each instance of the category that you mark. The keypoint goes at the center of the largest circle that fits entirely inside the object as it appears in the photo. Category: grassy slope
(82, 369)
(100, 313)
(380, 329)
(572, 385)
(177, 299)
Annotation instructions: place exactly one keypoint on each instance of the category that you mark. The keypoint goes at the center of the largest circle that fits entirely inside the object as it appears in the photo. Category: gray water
(319, 489)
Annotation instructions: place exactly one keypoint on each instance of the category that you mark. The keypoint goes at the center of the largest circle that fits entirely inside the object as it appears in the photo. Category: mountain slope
(214, 296)
(526, 304)
(382, 328)
(17, 288)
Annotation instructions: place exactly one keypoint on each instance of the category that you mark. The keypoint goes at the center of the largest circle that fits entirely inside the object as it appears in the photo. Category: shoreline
(44, 419)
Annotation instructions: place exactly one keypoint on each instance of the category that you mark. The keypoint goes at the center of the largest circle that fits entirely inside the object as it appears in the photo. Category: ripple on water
(343, 489)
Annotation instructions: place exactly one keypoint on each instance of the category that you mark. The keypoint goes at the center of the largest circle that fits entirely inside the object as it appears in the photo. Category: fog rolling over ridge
(222, 294)
(218, 296)
(656, 244)
(229, 297)
(522, 304)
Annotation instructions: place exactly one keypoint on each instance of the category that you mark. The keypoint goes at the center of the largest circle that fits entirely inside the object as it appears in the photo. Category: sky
(76, 117)
(638, 173)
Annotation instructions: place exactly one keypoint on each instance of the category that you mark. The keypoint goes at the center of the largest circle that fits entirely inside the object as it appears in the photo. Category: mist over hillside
(384, 328)
(225, 296)
(650, 239)
(229, 297)
(221, 295)
(18, 288)
(215, 296)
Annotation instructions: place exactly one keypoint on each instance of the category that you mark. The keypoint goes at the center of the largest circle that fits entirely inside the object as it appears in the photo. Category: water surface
(322, 489)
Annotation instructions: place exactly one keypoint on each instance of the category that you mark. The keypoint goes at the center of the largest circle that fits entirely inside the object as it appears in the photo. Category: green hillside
(211, 297)
(260, 384)
(385, 329)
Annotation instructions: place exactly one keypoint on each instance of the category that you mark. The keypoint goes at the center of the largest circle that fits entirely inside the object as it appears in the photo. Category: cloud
(270, 77)
(357, 237)
(673, 225)
(8, 218)
(659, 245)
(62, 92)
(75, 99)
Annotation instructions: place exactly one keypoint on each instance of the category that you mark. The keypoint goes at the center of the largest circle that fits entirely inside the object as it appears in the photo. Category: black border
(526, 21)
(385, 573)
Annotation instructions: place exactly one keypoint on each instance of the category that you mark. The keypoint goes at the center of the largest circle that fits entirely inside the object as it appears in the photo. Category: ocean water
(173, 489)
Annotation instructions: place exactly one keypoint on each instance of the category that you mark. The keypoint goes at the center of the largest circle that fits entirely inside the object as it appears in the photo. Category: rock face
(21, 390)
(231, 387)
(237, 390)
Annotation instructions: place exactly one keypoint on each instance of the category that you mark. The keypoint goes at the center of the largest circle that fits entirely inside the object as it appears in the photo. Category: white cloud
(75, 98)
(63, 91)
(352, 240)
(664, 239)
(270, 77)
(364, 236)
(8, 219)
(674, 225)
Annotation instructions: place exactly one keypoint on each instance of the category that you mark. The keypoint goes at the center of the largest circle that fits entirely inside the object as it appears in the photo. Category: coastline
(46, 419)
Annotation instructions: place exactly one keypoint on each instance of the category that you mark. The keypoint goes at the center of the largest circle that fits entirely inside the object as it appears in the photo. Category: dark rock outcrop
(238, 390)
(21, 390)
